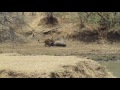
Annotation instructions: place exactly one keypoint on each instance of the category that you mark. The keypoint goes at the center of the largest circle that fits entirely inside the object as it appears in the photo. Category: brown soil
(114, 36)
(80, 42)
(48, 21)
(85, 36)
(93, 51)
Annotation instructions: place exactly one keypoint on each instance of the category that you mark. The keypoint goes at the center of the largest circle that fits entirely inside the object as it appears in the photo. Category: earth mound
(44, 66)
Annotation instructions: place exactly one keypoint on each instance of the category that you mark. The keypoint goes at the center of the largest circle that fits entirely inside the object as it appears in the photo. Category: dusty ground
(28, 57)
(36, 60)
(93, 51)
(16, 66)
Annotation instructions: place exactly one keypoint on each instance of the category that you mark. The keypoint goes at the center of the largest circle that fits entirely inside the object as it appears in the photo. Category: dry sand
(13, 65)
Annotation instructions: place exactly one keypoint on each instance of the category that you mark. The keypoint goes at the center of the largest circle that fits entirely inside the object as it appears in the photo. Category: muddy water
(112, 66)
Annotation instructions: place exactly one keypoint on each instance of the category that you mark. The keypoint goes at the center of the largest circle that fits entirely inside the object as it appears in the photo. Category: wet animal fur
(49, 42)
(60, 44)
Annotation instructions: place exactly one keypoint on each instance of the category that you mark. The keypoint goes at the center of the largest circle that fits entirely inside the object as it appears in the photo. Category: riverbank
(97, 52)
(44, 66)
(112, 66)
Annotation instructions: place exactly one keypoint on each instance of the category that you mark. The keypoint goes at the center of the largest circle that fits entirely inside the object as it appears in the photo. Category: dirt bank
(16, 66)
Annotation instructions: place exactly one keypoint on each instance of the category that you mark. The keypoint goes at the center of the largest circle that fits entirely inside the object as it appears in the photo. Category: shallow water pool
(112, 66)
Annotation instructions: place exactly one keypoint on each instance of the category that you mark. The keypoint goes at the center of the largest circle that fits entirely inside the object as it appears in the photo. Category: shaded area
(49, 21)
(85, 36)
(95, 36)
(114, 36)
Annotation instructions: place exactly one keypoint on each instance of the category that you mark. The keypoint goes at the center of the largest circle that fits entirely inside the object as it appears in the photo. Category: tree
(81, 20)
(33, 14)
(49, 19)
(49, 14)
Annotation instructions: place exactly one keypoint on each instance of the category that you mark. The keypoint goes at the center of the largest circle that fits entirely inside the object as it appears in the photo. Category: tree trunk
(49, 14)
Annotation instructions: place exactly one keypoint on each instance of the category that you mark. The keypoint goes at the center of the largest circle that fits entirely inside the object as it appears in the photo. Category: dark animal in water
(49, 42)
(60, 43)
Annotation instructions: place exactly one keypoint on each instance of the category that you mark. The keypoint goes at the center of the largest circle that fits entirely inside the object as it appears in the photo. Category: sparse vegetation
(58, 67)
(96, 25)
(49, 20)
(105, 57)
(94, 35)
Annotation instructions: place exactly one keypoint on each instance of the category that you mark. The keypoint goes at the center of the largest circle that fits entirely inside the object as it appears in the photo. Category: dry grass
(73, 48)
(22, 65)
(50, 67)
